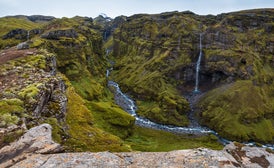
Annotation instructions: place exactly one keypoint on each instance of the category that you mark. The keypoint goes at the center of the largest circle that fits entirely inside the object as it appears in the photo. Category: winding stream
(127, 104)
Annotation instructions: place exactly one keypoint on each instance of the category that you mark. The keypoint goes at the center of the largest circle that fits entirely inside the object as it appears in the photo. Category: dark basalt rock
(56, 34)
(19, 34)
(35, 31)
(40, 18)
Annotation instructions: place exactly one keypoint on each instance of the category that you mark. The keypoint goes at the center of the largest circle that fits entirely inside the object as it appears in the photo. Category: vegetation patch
(239, 105)
(84, 136)
(145, 139)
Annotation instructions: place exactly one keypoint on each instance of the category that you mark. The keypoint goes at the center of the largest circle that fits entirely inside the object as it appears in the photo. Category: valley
(158, 82)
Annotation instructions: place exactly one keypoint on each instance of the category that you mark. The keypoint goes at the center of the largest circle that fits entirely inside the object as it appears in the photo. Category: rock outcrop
(36, 140)
(31, 92)
(56, 34)
(20, 34)
(40, 18)
(231, 156)
(22, 46)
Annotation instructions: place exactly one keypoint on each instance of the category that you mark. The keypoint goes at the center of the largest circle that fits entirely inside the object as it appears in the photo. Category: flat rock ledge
(34, 149)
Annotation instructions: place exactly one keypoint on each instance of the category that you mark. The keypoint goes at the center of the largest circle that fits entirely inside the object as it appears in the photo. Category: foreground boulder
(37, 140)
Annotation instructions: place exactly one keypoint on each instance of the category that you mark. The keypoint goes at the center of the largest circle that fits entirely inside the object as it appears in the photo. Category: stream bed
(127, 104)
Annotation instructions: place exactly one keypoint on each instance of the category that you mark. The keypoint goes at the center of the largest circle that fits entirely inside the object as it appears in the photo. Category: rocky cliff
(31, 91)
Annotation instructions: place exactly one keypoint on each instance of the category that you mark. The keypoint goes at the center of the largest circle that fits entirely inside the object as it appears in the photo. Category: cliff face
(156, 57)
(31, 92)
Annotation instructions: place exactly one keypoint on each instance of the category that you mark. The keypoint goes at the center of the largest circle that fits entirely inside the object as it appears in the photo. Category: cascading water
(126, 103)
(129, 106)
(196, 90)
(28, 35)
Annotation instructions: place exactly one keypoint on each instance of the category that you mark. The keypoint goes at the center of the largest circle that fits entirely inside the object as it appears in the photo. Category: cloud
(92, 8)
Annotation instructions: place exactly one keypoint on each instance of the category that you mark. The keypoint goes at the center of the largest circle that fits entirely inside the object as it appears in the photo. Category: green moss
(10, 137)
(56, 129)
(161, 114)
(10, 110)
(29, 92)
(240, 105)
(152, 86)
(144, 139)
(84, 136)
(112, 119)
(88, 88)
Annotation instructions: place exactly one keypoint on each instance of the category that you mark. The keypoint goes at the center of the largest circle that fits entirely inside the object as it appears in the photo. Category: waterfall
(28, 35)
(196, 90)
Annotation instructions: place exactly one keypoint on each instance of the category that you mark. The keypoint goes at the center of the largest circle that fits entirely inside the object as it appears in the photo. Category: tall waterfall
(196, 90)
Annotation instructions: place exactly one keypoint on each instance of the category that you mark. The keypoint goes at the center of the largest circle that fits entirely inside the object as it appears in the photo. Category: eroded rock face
(56, 34)
(231, 156)
(40, 18)
(31, 92)
(20, 34)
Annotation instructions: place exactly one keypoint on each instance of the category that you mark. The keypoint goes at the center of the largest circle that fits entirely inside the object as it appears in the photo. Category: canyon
(159, 82)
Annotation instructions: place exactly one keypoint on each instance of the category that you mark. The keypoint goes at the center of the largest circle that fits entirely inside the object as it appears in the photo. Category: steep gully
(127, 104)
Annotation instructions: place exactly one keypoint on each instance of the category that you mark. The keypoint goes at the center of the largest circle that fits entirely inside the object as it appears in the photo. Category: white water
(196, 90)
(28, 36)
(129, 106)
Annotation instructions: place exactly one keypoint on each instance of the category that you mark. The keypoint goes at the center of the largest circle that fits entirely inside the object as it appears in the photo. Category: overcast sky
(113, 8)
